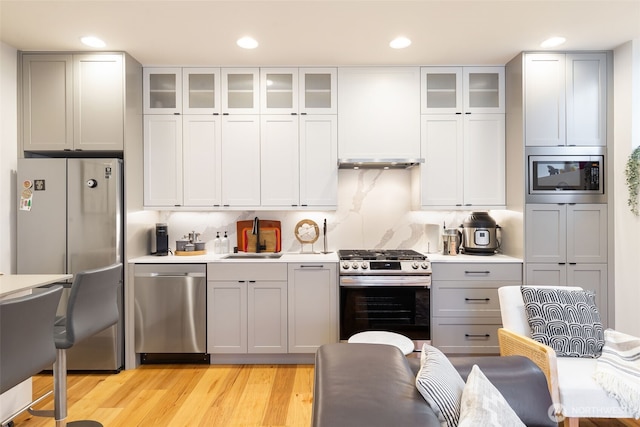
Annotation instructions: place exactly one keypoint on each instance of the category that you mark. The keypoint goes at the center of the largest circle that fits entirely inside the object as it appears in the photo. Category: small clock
(307, 231)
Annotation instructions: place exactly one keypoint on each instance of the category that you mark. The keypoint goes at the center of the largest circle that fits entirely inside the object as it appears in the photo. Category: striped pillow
(440, 385)
(568, 321)
(618, 370)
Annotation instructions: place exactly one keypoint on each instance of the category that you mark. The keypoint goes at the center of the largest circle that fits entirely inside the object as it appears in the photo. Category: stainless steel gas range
(385, 290)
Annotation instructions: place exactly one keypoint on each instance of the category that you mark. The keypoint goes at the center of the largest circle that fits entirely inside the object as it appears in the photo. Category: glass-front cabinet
(318, 90)
(201, 91)
(462, 90)
(441, 90)
(483, 89)
(279, 88)
(162, 88)
(298, 90)
(240, 91)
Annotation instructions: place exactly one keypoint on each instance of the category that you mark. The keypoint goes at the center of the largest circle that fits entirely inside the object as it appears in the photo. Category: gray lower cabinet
(465, 310)
(246, 308)
(313, 306)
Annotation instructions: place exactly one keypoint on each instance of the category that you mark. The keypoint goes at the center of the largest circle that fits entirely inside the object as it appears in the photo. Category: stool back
(92, 305)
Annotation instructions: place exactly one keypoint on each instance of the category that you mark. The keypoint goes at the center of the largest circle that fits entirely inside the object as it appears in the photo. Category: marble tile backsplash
(374, 211)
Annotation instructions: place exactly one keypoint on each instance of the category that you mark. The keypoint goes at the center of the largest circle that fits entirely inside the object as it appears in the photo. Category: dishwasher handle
(171, 275)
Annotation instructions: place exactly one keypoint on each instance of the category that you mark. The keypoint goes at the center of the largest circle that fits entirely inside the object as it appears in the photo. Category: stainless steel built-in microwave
(565, 175)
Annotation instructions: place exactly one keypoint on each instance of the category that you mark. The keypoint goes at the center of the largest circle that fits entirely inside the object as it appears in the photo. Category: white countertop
(12, 283)
(210, 257)
(307, 257)
(496, 258)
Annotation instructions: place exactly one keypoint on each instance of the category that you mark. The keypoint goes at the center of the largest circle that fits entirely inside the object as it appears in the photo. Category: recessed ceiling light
(553, 42)
(92, 41)
(400, 43)
(247, 43)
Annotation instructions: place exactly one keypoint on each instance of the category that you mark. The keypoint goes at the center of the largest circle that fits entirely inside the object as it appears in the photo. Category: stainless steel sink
(249, 255)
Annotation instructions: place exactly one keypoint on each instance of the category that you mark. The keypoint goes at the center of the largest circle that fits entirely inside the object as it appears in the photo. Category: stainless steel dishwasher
(170, 308)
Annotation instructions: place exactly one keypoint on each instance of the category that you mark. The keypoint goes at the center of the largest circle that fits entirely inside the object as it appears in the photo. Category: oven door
(396, 304)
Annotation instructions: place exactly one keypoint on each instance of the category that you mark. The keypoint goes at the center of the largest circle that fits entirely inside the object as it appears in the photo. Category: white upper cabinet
(319, 160)
(162, 160)
(279, 164)
(462, 90)
(318, 90)
(464, 161)
(241, 161)
(240, 91)
(201, 153)
(279, 90)
(379, 113)
(484, 160)
(201, 91)
(162, 89)
(565, 99)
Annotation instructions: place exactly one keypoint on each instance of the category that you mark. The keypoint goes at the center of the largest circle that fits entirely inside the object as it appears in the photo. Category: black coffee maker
(162, 239)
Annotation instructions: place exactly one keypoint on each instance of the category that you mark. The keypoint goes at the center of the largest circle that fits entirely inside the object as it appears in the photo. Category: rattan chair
(570, 379)
(26, 338)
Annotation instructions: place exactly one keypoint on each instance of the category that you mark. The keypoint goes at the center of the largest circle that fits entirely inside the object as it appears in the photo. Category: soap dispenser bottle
(224, 244)
(217, 244)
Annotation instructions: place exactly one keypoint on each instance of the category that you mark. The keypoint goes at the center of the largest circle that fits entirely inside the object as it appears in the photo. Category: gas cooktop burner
(380, 254)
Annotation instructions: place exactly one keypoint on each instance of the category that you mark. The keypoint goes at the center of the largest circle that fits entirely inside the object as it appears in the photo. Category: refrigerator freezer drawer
(170, 308)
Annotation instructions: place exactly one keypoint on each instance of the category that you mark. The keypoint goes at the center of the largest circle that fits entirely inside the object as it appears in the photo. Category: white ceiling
(319, 32)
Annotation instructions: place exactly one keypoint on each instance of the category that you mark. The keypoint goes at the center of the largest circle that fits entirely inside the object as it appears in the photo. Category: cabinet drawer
(464, 301)
(247, 271)
(477, 271)
(459, 336)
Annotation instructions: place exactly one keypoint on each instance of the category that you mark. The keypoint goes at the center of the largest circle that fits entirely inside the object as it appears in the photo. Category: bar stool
(91, 308)
(26, 338)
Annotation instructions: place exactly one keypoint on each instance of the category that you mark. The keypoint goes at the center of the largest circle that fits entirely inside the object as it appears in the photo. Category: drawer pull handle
(478, 299)
(476, 272)
(312, 266)
(477, 335)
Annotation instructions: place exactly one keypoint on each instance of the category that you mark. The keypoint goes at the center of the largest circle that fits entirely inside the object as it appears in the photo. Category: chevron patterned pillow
(566, 320)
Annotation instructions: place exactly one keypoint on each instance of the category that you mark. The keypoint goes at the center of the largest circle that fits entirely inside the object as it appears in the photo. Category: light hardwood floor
(198, 395)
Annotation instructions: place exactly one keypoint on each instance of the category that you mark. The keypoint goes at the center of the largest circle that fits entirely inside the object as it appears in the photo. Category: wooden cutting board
(270, 232)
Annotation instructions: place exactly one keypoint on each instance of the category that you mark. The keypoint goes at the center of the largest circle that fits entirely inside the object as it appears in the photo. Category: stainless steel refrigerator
(69, 219)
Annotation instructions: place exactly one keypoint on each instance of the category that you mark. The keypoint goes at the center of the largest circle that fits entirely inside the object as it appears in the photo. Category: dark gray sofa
(374, 385)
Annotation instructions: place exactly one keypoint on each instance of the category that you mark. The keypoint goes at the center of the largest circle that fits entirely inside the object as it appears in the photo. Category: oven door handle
(369, 281)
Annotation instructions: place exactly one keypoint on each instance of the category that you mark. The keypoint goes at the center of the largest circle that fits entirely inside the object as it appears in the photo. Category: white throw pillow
(440, 385)
(483, 405)
(618, 370)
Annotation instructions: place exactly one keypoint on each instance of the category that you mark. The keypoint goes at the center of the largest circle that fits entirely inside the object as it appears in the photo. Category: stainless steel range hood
(378, 163)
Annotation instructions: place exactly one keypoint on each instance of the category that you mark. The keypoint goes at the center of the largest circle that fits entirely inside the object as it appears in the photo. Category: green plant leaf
(632, 172)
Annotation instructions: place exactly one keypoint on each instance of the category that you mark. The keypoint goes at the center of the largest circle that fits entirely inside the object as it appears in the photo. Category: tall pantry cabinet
(560, 99)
